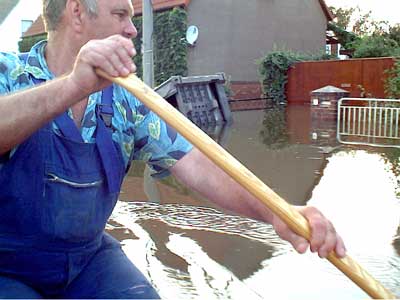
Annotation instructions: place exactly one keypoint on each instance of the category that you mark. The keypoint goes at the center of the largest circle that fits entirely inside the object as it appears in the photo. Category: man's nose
(130, 30)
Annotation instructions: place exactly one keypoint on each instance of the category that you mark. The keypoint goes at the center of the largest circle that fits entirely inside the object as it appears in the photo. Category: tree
(342, 16)
(365, 25)
(375, 46)
(358, 31)
(341, 26)
(394, 33)
(361, 24)
(345, 38)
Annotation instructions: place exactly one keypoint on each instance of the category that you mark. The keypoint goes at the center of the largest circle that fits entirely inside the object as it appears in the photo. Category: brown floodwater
(190, 249)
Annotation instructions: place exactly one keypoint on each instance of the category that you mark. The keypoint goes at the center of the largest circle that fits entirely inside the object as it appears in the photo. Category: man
(66, 141)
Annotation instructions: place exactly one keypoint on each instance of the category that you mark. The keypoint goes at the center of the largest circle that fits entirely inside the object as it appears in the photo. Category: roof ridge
(326, 10)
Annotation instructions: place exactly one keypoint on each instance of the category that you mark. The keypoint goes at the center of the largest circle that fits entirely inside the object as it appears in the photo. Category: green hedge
(170, 48)
(392, 83)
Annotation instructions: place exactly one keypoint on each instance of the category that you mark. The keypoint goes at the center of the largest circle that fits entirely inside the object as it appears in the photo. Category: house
(234, 34)
(16, 16)
(36, 29)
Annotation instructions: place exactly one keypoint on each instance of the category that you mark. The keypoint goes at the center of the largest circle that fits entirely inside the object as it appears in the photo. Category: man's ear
(75, 13)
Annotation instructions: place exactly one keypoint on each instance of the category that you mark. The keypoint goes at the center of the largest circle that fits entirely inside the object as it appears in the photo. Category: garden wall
(361, 77)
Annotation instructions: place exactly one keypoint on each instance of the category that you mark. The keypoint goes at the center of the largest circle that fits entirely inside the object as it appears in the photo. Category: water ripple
(200, 218)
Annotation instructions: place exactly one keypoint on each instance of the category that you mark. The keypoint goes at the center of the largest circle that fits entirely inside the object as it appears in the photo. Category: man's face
(114, 17)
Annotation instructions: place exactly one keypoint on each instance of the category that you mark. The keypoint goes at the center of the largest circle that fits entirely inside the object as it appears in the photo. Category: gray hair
(53, 10)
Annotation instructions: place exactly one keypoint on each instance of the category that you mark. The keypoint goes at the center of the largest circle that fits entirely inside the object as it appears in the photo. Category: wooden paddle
(244, 177)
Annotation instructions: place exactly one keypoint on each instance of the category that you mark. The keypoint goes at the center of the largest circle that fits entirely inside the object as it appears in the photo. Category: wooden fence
(353, 75)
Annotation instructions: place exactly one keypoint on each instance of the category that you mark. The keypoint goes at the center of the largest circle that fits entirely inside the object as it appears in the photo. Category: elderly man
(67, 138)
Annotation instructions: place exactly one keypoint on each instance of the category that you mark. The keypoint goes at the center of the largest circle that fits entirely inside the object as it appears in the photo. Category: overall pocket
(73, 208)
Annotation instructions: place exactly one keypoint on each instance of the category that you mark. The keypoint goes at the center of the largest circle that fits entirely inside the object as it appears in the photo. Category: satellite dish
(192, 34)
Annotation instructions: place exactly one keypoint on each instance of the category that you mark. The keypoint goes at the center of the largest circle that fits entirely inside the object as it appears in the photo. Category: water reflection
(190, 251)
(179, 246)
(357, 188)
(219, 132)
(274, 133)
(358, 193)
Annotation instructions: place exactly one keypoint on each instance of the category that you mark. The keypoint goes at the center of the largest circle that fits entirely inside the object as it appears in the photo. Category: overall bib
(56, 194)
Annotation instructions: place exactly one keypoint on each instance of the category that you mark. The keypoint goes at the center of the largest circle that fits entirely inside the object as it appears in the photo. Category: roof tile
(36, 28)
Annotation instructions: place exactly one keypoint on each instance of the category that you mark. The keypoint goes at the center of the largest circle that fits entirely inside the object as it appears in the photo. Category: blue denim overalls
(56, 195)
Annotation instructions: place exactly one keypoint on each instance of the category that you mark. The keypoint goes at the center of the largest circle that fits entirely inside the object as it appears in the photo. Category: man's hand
(324, 238)
(112, 55)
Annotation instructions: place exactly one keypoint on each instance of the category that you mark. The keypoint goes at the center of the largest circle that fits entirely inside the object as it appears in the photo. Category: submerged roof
(6, 6)
(329, 89)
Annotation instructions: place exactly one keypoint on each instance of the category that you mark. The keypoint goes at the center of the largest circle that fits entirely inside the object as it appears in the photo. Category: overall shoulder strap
(105, 110)
(112, 164)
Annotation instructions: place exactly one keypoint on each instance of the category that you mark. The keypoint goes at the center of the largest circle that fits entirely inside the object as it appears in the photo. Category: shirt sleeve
(4, 89)
(156, 142)
(5, 66)
(9, 63)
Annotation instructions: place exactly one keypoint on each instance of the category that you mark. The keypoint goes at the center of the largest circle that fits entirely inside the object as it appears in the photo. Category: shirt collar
(36, 63)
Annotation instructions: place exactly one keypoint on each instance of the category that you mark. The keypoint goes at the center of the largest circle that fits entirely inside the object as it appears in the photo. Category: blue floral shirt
(141, 134)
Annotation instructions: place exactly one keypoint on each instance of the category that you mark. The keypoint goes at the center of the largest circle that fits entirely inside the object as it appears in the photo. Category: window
(25, 24)
(328, 49)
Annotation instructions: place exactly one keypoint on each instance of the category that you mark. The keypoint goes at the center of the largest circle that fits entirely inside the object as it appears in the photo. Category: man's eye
(120, 15)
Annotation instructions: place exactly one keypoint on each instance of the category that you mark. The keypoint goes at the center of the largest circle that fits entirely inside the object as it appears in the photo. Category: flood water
(190, 249)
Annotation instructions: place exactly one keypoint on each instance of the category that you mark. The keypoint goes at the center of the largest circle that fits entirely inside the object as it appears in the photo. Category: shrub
(273, 70)
(375, 46)
(392, 83)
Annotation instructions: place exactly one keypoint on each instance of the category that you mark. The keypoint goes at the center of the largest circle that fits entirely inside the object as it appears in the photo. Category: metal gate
(368, 121)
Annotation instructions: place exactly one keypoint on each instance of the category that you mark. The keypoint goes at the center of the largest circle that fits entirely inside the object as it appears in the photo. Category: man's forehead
(122, 3)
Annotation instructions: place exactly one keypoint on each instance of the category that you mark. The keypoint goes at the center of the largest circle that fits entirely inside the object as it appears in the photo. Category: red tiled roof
(36, 28)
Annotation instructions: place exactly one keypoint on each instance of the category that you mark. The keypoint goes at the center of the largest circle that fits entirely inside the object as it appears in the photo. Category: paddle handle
(244, 177)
